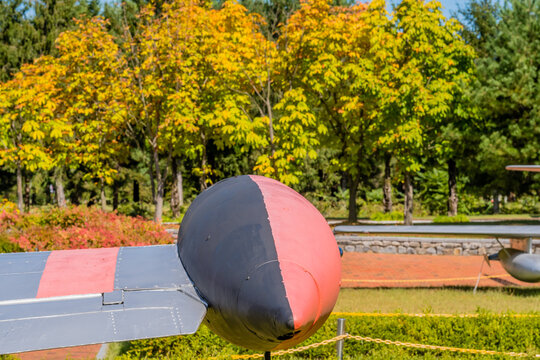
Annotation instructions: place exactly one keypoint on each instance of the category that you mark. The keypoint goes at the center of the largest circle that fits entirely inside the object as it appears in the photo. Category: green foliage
(526, 204)
(8, 357)
(7, 246)
(76, 228)
(488, 331)
(507, 92)
(433, 190)
(460, 218)
(393, 215)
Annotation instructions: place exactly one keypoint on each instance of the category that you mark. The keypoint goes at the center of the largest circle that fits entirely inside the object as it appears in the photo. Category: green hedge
(7, 246)
(460, 218)
(488, 332)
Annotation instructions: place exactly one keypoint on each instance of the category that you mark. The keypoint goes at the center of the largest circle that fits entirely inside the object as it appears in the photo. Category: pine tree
(508, 94)
(16, 37)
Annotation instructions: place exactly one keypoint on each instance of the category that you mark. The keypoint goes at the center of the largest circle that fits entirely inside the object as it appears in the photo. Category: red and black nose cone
(263, 258)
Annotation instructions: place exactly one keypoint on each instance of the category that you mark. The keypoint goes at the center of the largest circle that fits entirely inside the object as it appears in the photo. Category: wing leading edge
(77, 297)
(509, 231)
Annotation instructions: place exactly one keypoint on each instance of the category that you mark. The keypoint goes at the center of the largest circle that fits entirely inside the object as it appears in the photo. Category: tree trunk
(160, 190)
(60, 196)
(496, 208)
(102, 196)
(20, 203)
(177, 192)
(27, 187)
(204, 161)
(75, 195)
(136, 192)
(408, 206)
(116, 190)
(353, 187)
(387, 187)
(452, 188)
(152, 182)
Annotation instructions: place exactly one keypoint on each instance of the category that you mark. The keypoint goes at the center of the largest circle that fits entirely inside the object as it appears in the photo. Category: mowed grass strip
(440, 300)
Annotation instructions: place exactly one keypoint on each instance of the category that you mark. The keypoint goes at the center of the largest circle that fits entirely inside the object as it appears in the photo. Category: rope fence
(340, 338)
(425, 280)
(357, 314)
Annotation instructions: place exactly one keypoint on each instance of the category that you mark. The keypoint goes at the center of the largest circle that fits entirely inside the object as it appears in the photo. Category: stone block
(389, 250)
(447, 251)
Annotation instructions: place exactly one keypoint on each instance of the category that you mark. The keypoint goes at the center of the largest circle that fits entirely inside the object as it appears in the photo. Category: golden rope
(361, 314)
(424, 280)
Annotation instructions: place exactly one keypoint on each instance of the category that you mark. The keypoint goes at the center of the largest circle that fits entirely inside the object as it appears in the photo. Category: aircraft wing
(506, 231)
(77, 297)
(535, 168)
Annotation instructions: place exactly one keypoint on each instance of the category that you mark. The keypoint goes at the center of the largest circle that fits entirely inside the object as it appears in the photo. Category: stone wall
(412, 245)
(422, 245)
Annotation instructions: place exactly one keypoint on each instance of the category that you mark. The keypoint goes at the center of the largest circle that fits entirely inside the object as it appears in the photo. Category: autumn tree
(337, 55)
(181, 104)
(92, 95)
(27, 121)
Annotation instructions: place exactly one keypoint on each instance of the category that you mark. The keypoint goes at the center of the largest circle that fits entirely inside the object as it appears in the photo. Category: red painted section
(78, 272)
(307, 253)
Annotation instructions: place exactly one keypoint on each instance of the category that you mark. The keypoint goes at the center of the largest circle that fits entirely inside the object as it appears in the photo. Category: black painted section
(227, 248)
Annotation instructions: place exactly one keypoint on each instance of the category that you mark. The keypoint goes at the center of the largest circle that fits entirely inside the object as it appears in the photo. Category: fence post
(340, 343)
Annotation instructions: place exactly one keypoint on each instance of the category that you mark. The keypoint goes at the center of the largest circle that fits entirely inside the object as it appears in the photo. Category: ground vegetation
(139, 106)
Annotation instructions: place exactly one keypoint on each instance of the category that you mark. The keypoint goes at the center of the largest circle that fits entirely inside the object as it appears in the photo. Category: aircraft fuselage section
(264, 260)
(521, 265)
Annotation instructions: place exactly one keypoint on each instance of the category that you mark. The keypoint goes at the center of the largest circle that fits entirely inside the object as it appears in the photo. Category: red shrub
(79, 228)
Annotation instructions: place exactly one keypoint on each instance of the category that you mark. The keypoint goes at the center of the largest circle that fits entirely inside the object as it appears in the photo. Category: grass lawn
(439, 301)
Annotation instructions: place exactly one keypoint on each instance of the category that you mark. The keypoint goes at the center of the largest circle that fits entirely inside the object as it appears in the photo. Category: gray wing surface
(507, 231)
(534, 168)
(149, 295)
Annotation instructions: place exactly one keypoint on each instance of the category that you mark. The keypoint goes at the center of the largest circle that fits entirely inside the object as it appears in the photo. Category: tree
(507, 93)
(27, 121)
(52, 17)
(429, 63)
(16, 35)
(337, 57)
(181, 102)
(93, 93)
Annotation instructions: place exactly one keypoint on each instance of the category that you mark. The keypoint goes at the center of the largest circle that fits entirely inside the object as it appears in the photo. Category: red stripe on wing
(78, 272)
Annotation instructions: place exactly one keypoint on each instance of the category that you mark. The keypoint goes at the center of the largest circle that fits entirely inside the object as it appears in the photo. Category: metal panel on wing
(20, 274)
(152, 297)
